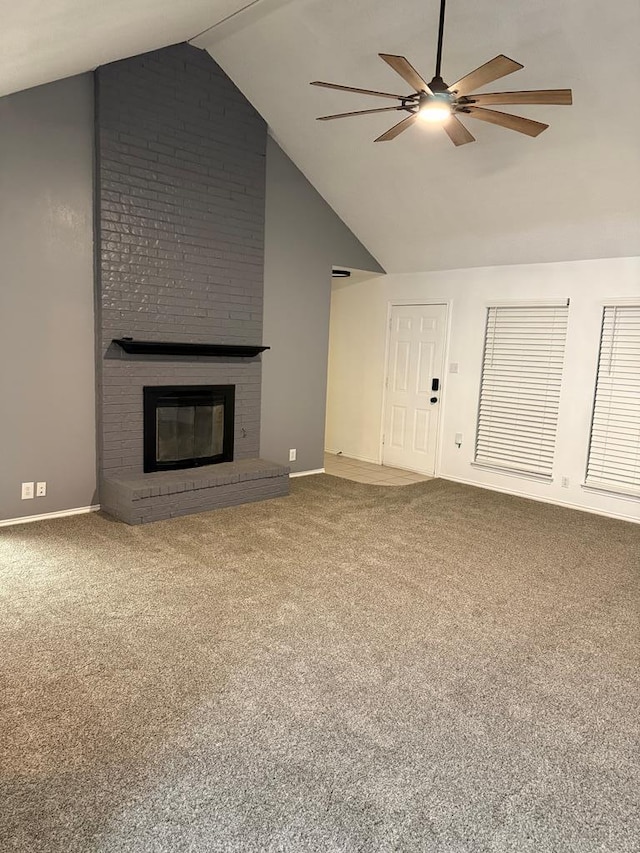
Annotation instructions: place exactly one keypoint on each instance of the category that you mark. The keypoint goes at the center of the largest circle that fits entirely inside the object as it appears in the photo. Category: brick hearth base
(166, 494)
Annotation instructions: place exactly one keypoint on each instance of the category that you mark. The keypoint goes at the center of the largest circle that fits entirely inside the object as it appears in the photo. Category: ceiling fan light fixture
(435, 108)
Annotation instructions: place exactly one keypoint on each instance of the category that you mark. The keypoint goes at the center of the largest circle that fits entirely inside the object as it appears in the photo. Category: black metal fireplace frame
(187, 395)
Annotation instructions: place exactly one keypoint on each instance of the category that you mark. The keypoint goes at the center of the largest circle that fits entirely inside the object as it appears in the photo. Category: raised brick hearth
(153, 497)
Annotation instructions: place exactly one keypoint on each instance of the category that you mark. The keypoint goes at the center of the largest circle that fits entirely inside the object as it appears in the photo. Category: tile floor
(368, 472)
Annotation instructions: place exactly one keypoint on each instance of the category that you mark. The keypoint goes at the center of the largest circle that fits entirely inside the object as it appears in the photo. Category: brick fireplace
(180, 227)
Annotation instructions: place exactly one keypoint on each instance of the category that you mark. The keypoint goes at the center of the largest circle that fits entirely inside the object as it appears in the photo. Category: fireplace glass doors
(186, 426)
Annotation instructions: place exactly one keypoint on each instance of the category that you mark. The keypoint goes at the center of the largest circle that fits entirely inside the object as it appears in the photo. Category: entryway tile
(369, 472)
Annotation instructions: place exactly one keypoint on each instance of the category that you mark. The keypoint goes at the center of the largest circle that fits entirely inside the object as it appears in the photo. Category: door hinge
(383, 439)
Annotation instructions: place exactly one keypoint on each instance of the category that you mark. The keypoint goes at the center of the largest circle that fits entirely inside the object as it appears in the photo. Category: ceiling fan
(437, 102)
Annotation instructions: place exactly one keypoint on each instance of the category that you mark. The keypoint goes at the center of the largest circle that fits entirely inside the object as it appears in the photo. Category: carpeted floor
(351, 668)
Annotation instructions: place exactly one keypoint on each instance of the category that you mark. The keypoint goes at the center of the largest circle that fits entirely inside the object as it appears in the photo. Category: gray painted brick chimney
(181, 184)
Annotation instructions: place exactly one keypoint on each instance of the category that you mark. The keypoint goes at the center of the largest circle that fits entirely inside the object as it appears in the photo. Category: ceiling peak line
(225, 19)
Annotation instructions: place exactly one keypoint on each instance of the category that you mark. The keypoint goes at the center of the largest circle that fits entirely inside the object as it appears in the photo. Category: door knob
(433, 400)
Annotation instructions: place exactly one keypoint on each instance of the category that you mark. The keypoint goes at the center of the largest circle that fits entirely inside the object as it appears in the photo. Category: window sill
(612, 491)
(514, 472)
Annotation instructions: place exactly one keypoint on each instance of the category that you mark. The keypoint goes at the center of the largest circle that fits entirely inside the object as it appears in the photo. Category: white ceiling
(44, 40)
(417, 203)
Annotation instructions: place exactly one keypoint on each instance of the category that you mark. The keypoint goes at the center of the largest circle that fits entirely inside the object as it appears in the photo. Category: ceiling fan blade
(492, 70)
(360, 113)
(539, 96)
(522, 125)
(457, 132)
(397, 129)
(354, 89)
(405, 69)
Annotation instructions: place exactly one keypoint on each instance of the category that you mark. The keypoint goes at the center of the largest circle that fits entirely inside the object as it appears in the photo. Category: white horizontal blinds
(614, 451)
(520, 388)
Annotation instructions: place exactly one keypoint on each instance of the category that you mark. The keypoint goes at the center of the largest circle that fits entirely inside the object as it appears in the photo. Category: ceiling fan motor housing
(438, 86)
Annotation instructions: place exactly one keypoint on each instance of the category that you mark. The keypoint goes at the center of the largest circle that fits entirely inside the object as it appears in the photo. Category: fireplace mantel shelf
(135, 347)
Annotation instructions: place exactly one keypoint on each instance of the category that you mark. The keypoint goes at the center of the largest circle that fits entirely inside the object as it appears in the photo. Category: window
(614, 449)
(520, 387)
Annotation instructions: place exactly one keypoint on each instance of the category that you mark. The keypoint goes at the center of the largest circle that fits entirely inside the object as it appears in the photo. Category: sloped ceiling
(45, 40)
(416, 203)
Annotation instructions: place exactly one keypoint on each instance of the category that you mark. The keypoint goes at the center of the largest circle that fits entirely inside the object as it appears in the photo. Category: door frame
(400, 303)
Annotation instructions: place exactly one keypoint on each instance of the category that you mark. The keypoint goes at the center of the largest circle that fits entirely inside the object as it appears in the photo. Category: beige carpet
(351, 668)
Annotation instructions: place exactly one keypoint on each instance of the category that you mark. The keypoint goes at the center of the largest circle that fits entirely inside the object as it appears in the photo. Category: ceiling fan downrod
(440, 40)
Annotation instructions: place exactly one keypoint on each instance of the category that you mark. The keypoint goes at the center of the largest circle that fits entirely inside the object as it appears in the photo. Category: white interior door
(413, 387)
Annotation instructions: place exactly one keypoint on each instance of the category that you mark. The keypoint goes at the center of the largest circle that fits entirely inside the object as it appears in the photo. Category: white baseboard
(527, 496)
(307, 473)
(45, 516)
(351, 456)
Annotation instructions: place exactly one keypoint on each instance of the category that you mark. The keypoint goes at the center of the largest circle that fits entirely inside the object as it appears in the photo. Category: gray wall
(303, 239)
(181, 167)
(47, 355)
(47, 418)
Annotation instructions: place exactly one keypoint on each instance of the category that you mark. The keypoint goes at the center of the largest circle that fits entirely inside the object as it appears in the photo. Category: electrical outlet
(458, 439)
(565, 482)
(27, 491)
(41, 490)
(292, 455)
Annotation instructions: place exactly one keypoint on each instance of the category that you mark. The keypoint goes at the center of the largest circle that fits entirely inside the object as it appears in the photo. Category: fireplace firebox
(186, 426)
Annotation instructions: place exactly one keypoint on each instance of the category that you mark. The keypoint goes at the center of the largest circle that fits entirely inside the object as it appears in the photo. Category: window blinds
(614, 449)
(520, 387)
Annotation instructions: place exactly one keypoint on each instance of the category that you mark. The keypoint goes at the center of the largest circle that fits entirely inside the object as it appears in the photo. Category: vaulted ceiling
(417, 203)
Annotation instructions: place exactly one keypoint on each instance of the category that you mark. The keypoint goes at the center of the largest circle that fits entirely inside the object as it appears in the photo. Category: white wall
(357, 363)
